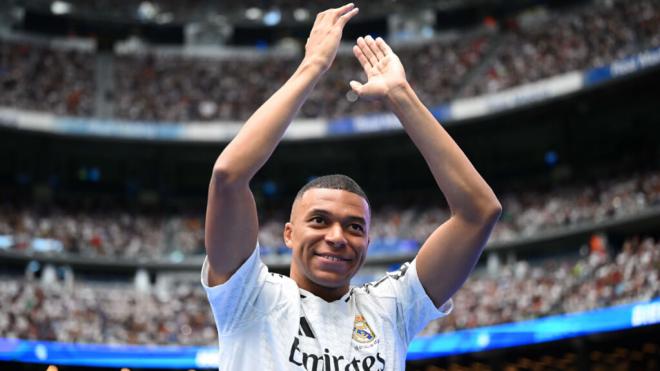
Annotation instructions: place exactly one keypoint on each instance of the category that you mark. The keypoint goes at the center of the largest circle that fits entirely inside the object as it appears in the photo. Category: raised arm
(231, 214)
(447, 257)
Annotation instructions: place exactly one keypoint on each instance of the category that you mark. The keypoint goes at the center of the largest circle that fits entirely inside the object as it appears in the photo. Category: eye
(356, 227)
(317, 220)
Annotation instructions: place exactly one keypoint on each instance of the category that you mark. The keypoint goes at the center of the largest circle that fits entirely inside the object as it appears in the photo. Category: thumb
(356, 86)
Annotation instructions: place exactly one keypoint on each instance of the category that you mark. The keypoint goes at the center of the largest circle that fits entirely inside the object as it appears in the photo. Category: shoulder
(252, 281)
(281, 288)
(281, 280)
(384, 285)
(384, 297)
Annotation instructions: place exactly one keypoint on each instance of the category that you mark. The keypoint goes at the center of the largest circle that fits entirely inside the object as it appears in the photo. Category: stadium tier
(249, 11)
(166, 85)
(50, 229)
(546, 44)
(36, 76)
(173, 310)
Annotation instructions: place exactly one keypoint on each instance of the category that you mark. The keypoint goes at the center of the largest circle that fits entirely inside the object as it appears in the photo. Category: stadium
(113, 113)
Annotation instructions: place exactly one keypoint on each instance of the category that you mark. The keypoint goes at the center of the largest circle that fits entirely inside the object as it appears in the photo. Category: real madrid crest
(362, 332)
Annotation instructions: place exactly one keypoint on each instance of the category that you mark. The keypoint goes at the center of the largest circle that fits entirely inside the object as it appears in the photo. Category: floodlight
(60, 7)
(253, 14)
(272, 17)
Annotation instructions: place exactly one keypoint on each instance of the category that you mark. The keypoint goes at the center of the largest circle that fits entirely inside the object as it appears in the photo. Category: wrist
(313, 65)
(398, 93)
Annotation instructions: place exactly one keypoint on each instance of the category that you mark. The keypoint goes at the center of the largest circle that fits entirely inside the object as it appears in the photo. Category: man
(314, 320)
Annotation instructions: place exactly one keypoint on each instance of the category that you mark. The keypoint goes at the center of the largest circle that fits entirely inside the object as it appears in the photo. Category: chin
(330, 280)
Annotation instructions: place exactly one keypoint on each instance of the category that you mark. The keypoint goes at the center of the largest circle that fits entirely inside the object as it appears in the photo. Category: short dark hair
(334, 181)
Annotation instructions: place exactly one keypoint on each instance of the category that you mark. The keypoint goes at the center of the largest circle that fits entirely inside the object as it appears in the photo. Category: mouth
(332, 258)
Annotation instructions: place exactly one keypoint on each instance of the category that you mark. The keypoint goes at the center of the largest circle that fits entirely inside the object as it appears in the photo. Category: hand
(383, 68)
(323, 41)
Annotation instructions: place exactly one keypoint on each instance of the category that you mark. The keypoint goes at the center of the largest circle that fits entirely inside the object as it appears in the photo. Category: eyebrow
(352, 218)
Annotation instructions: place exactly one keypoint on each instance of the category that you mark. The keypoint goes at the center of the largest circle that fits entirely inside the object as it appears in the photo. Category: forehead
(336, 201)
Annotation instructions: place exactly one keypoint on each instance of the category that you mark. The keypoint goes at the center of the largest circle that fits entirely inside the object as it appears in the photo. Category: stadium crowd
(558, 42)
(147, 236)
(179, 12)
(523, 290)
(81, 311)
(98, 234)
(42, 78)
(105, 313)
(175, 88)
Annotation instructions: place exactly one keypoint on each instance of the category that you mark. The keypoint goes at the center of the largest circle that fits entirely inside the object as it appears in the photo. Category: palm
(383, 68)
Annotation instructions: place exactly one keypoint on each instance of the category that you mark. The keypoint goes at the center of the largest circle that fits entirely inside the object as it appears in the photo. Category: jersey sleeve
(414, 307)
(237, 301)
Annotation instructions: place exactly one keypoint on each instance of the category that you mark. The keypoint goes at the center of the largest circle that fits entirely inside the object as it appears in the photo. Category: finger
(382, 45)
(347, 16)
(356, 86)
(374, 47)
(342, 10)
(366, 65)
(364, 48)
(371, 43)
(319, 17)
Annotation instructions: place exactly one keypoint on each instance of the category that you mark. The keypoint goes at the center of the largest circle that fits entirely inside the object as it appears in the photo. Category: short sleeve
(415, 309)
(235, 302)
(419, 309)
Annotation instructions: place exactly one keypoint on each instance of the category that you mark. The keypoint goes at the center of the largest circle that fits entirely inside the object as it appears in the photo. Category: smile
(333, 258)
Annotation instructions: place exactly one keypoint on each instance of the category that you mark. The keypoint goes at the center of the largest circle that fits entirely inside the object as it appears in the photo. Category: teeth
(333, 258)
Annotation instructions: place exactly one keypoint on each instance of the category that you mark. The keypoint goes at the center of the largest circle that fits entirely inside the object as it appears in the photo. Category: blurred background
(113, 112)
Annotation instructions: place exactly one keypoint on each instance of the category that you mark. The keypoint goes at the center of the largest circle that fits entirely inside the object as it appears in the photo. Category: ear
(288, 234)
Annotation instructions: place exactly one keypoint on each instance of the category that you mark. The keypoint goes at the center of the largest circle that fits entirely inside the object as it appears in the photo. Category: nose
(335, 236)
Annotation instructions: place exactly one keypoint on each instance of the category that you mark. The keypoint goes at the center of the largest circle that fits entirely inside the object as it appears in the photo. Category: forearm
(261, 133)
(229, 243)
(467, 193)
(231, 215)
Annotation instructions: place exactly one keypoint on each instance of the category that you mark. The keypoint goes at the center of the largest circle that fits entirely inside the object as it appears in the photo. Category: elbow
(224, 178)
(487, 212)
(490, 210)
(482, 214)
(493, 211)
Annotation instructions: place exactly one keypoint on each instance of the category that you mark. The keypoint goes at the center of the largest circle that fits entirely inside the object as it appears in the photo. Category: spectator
(117, 233)
(177, 313)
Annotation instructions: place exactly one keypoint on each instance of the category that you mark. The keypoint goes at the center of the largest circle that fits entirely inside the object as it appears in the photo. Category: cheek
(360, 243)
(301, 242)
(361, 246)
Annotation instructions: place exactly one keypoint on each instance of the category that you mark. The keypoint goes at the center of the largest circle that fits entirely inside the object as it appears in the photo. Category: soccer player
(314, 320)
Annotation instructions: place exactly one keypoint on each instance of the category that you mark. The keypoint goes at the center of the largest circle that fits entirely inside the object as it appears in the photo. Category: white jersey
(265, 322)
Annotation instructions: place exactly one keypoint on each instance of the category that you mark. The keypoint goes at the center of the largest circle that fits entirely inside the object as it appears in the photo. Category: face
(328, 234)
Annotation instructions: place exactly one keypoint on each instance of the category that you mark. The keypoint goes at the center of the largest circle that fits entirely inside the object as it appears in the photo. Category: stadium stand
(196, 9)
(177, 88)
(174, 311)
(40, 77)
(170, 87)
(524, 290)
(118, 233)
(551, 43)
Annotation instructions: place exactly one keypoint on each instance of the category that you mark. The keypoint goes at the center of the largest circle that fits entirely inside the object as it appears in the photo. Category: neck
(328, 294)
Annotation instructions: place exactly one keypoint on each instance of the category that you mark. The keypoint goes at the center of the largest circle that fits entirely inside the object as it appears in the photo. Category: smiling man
(314, 320)
(328, 234)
